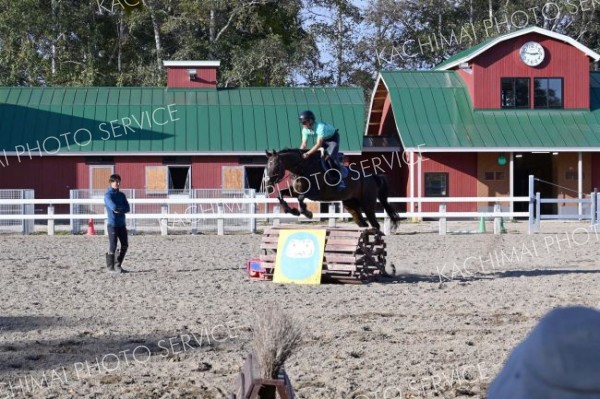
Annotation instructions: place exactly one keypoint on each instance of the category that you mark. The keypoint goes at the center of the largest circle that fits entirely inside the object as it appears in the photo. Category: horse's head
(278, 162)
(275, 168)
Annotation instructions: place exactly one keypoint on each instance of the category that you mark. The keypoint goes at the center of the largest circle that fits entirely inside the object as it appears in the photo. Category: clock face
(532, 53)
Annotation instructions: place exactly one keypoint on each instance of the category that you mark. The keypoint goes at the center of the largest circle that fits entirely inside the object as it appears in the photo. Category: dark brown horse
(311, 181)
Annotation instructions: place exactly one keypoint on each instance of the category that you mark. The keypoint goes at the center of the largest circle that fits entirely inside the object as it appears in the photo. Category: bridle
(280, 174)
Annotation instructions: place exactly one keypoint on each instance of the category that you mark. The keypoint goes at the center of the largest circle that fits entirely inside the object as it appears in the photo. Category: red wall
(562, 60)
(53, 177)
(469, 80)
(206, 171)
(205, 77)
(462, 176)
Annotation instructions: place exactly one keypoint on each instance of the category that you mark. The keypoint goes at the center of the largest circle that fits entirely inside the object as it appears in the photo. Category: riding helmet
(306, 116)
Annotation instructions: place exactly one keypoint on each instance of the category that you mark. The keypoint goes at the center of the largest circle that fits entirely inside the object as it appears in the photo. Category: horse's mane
(291, 150)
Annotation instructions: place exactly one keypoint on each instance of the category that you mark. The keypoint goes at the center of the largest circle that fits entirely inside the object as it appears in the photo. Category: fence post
(220, 223)
(597, 215)
(253, 213)
(164, 223)
(193, 212)
(531, 226)
(497, 220)
(24, 226)
(443, 223)
(50, 221)
(593, 206)
(105, 223)
(331, 218)
(538, 212)
(72, 211)
(276, 210)
(133, 221)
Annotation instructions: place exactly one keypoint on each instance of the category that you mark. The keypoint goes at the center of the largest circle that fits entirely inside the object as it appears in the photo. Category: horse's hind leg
(354, 208)
(369, 207)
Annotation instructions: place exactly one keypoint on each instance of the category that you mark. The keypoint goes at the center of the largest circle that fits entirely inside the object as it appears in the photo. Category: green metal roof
(204, 121)
(433, 111)
(466, 54)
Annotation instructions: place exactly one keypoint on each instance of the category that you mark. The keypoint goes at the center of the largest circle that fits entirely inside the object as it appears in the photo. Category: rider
(328, 137)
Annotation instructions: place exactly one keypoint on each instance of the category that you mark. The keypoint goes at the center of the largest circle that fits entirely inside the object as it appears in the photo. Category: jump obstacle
(352, 254)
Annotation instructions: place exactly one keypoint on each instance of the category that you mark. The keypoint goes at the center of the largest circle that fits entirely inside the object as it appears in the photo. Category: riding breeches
(332, 145)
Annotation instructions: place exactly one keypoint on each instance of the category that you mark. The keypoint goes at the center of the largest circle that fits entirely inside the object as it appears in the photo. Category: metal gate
(25, 226)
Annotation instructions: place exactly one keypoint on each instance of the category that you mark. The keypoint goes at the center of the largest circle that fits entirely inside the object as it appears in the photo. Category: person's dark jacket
(116, 207)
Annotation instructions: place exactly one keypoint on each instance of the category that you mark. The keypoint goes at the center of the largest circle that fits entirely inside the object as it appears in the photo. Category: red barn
(188, 135)
(482, 121)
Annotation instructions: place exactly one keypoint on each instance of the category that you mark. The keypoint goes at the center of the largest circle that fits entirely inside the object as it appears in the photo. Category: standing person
(116, 207)
(328, 137)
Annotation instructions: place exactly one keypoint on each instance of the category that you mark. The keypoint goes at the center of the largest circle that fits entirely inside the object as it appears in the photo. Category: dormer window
(548, 92)
(514, 93)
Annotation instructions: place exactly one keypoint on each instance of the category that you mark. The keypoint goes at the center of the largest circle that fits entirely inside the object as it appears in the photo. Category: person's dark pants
(332, 146)
(114, 234)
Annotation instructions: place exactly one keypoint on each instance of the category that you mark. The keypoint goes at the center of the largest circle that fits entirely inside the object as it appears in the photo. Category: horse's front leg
(303, 209)
(286, 207)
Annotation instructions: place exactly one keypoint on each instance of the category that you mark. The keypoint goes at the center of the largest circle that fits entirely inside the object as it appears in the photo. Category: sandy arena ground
(441, 328)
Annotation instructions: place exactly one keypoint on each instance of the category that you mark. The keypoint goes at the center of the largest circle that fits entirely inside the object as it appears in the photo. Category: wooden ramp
(352, 254)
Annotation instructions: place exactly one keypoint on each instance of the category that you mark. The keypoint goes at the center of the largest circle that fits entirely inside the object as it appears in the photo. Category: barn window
(99, 175)
(548, 93)
(436, 184)
(573, 175)
(167, 179)
(157, 179)
(514, 92)
(493, 176)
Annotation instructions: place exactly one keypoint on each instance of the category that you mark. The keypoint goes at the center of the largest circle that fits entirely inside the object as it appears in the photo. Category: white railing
(194, 218)
(276, 216)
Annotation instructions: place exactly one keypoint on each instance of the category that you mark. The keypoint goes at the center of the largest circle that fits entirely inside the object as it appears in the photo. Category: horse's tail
(382, 195)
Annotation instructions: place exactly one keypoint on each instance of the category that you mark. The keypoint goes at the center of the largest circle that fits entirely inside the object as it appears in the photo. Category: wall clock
(532, 53)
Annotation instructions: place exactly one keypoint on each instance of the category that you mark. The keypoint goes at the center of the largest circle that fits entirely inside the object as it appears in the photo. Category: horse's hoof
(295, 212)
(308, 214)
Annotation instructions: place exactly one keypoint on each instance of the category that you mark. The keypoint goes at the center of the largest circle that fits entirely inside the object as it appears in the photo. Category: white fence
(165, 220)
(200, 212)
(176, 202)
